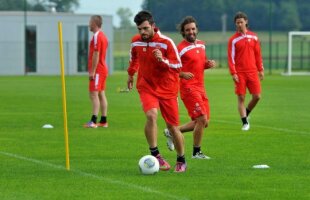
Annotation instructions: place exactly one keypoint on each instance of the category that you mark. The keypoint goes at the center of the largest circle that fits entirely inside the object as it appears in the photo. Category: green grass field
(104, 161)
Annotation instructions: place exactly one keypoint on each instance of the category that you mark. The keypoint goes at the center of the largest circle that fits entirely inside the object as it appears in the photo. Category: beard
(146, 37)
(191, 38)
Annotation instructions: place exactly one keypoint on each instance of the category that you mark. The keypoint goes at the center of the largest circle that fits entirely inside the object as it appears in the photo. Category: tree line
(38, 5)
(280, 15)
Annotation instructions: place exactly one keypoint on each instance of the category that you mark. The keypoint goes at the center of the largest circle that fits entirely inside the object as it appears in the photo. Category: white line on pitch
(267, 127)
(108, 180)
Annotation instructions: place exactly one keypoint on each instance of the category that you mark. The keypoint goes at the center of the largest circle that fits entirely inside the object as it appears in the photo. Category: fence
(218, 52)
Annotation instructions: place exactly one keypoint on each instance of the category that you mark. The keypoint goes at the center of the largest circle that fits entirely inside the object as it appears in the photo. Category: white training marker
(261, 167)
(47, 126)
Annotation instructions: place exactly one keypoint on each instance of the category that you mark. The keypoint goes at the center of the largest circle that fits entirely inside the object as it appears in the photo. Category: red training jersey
(159, 78)
(194, 60)
(99, 42)
(244, 53)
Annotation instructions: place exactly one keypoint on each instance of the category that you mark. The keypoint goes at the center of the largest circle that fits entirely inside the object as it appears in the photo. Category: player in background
(246, 66)
(192, 89)
(155, 58)
(98, 72)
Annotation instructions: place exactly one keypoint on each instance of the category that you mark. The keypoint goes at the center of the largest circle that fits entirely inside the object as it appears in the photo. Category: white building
(29, 42)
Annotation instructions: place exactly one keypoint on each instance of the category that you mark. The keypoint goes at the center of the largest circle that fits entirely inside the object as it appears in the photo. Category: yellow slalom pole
(64, 95)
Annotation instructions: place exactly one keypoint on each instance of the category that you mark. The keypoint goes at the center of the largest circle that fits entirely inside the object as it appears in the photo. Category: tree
(286, 14)
(125, 15)
(289, 16)
(6, 5)
(65, 5)
(303, 11)
(39, 5)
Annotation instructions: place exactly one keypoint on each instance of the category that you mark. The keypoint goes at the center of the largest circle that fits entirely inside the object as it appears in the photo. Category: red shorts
(98, 83)
(250, 81)
(168, 107)
(197, 104)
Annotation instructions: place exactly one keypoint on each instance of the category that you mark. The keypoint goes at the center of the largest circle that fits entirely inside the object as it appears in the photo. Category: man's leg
(252, 103)
(93, 95)
(189, 126)
(242, 112)
(178, 139)
(95, 102)
(150, 131)
(103, 108)
(241, 107)
(170, 112)
(201, 124)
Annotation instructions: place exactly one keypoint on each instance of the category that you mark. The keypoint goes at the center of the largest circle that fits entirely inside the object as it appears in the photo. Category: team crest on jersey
(144, 49)
(249, 40)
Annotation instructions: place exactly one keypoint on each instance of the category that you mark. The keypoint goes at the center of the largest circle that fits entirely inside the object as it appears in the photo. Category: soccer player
(155, 58)
(193, 94)
(246, 66)
(98, 72)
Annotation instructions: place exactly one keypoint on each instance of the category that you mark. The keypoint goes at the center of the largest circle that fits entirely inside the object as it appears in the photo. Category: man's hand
(130, 82)
(158, 55)
(186, 75)
(211, 64)
(235, 78)
(92, 76)
(261, 75)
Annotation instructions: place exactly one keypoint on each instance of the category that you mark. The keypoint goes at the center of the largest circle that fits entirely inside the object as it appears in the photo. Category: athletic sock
(103, 119)
(247, 112)
(196, 150)
(244, 120)
(154, 151)
(94, 118)
(181, 159)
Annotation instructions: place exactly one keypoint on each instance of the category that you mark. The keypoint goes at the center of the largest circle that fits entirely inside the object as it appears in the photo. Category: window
(82, 54)
(31, 48)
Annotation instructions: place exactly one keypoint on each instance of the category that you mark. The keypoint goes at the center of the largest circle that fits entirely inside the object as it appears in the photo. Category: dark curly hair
(143, 16)
(186, 20)
(240, 15)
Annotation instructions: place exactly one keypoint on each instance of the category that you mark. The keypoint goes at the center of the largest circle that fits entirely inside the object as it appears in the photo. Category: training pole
(64, 95)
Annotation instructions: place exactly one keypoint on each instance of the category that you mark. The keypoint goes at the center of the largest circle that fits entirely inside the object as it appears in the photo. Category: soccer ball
(148, 165)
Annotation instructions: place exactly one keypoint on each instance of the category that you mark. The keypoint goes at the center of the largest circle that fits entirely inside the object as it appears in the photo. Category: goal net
(298, 59)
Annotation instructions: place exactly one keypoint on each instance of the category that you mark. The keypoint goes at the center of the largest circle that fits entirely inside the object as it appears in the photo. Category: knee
(206, 123)
(257, 97)
(202, 121)
(151, 116)
(93, 95)
(241, 98)
(173, 129)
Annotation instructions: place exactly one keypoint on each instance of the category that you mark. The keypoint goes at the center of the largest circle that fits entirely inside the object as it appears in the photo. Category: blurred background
(29, 35)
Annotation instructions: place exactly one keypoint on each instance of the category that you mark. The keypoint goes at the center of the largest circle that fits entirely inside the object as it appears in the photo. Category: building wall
(12, 43)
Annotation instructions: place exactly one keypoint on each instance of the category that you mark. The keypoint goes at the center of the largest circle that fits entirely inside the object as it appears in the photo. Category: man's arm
(133, 67)
(231, 58)
(231, 61)
(95, 61)
(259, 60)
(171, 60)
